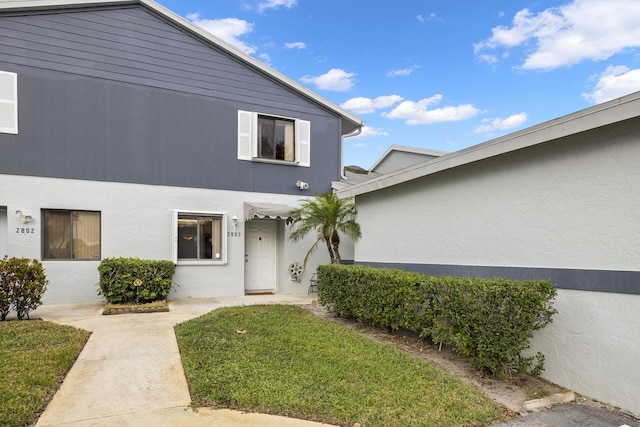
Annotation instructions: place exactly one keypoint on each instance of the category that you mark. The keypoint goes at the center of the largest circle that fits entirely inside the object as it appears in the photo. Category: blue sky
(438, 74)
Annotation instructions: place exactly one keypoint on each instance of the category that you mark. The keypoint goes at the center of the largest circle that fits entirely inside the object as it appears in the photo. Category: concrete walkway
(130, 373)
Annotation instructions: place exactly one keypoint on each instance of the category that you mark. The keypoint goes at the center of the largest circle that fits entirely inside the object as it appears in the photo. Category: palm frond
(325, 214)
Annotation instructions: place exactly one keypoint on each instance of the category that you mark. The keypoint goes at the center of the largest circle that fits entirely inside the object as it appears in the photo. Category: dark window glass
(276, 139)
(199, 237)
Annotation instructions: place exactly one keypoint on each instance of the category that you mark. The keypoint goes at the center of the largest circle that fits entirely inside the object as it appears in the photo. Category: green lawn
(34, 358)
(291, 363)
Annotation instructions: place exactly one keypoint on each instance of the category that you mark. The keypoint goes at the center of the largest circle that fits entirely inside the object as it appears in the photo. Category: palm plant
(328, 215)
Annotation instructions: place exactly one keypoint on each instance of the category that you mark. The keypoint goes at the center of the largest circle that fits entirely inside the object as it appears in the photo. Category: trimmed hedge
(22, 284)
(133, 280)
(489, 320)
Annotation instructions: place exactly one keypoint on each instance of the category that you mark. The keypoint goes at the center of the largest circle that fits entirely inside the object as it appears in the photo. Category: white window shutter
(247, 124)
(8, 102)
(174, 236)
(303, 142)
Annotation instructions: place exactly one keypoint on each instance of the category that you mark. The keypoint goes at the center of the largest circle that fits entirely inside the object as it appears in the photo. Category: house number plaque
(25, 230)
(234, 234)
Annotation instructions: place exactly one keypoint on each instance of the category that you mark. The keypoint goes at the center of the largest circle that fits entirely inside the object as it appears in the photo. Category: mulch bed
(156, 307)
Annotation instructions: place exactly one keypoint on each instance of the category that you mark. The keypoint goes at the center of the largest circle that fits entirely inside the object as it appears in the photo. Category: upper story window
(199, 237)
(8, 102)
(277, 139)
(70, 235)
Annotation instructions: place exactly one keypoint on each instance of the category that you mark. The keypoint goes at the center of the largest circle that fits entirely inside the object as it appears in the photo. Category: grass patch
(34, 358)
(291, 363)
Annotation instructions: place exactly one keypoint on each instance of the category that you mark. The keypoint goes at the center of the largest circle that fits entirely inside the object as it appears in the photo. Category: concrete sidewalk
(130, 373)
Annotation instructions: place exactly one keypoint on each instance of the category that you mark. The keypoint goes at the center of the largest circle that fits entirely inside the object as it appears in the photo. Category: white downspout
(357, 132)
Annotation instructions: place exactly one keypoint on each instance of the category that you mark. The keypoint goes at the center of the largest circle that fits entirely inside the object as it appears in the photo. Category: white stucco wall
(136, 222)
(572, 203)
(592, 346)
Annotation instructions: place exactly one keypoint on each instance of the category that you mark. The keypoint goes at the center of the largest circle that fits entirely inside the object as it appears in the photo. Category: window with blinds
(70, 235)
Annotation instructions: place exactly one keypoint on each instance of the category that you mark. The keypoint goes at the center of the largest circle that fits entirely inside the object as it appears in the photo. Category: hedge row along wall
(133, 280)
(489, 320)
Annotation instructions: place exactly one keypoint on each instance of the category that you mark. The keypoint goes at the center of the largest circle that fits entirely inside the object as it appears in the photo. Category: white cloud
(574, 32)
(295, 45)
(403, 72)
(274, 4)
(429, 17)
(335, 79)
(510, 122)
(418, 113)
(362, 105)
(613, 83)
(489, 59)
(368, 132)
(264, 57)
(228, 29)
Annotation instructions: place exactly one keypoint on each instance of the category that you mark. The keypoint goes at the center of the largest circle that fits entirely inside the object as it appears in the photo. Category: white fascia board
(348, 118)
(8, 5)
(594, 117)
(417, 150)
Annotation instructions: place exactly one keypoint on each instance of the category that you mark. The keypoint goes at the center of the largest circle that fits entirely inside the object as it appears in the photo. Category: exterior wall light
(302, 185)
(24, 218)
(234, 222)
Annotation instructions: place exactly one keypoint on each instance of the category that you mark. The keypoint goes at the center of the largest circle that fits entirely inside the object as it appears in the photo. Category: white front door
(260, 256)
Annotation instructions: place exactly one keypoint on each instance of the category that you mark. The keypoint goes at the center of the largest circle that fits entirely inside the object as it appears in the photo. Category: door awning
(259, 210)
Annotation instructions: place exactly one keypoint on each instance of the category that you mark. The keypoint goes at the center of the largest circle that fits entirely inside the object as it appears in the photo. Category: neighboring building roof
(350, 122)
(353, 175)
(591, 118)
(396, 157)
(418, 154)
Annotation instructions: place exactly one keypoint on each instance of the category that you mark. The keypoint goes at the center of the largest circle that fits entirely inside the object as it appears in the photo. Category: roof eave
(597, 116)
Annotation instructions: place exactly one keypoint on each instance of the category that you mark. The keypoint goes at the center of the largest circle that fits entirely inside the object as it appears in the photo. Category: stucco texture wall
(571, 203)
(136, 222)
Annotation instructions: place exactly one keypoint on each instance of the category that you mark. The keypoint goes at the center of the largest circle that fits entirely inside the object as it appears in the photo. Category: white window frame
(248, 139)
(10, 99)
(174, 235)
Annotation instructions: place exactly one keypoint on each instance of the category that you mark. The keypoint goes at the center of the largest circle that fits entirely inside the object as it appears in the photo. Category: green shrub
(22, 284)
(6, 289)
(133, 280)
(489, 320)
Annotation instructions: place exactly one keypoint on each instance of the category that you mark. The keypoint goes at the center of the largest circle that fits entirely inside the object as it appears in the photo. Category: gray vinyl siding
(122, 95)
